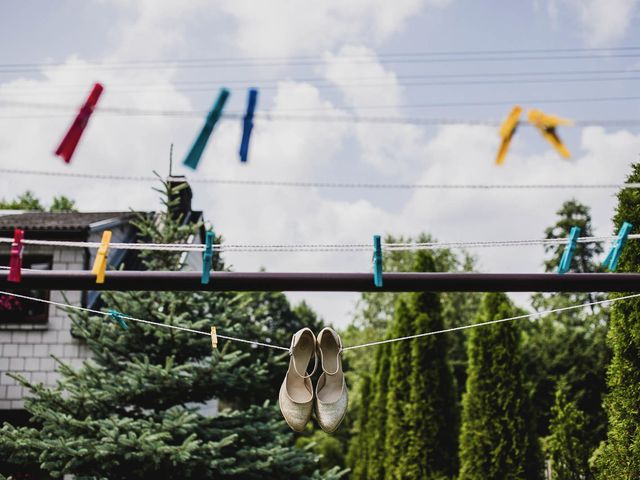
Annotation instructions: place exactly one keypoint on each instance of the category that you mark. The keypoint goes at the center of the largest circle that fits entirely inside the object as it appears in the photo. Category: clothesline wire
(340, 185)
(492, 322)
(140, 320)
(319, 247)
(353, 347)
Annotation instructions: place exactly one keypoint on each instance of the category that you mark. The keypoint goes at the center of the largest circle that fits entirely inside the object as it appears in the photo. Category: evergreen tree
(376, 429)
(132, 411)
(28, 201)
(568, 453)
(569, 346)
(398, 421)
(495, 441)
(421, 407)
(619, 456)
(432, 406)
(358, 456)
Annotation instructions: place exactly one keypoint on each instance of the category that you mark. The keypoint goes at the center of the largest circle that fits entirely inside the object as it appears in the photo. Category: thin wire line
(491, 322)
(351, 185)
(139, 320)
(327, 247)
(380, 55)
(239, 63)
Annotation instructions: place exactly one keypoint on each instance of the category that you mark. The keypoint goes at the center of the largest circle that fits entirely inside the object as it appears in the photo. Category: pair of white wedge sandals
(296, 397)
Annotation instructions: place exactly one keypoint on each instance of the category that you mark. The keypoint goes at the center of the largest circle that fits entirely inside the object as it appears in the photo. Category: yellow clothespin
(507, 130)
(214, 338)
(546, 125)
(100, 263)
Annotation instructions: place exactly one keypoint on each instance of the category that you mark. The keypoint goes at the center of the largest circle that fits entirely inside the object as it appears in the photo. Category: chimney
(183, 195)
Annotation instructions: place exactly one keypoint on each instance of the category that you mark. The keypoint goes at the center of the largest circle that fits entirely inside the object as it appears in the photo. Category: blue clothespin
(377, 261)
(193, 157)
(117, 316)
(611, 262)
(207, 258)
(567, 255)
(247, 125)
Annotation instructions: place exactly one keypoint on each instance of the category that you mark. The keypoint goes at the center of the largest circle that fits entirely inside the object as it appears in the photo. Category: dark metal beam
(327, 282)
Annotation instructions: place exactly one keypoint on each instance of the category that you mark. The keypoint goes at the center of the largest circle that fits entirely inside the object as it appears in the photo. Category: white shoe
(296, 392)
(331, 390)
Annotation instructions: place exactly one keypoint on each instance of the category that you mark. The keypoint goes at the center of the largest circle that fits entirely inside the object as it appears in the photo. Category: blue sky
(347, 53)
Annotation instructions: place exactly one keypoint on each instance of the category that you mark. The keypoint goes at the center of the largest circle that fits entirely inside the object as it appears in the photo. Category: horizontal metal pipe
(326, 282)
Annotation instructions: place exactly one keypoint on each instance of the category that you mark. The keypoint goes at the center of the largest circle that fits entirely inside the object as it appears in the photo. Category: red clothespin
(71, 139)
(15, 262)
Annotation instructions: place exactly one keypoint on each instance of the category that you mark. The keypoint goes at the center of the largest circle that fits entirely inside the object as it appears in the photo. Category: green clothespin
(197, 149)
(117, 316)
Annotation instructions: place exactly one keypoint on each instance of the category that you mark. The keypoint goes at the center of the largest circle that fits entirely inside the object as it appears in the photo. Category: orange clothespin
(507, 130)
(214, 338)
(100, 263)
(546, 125)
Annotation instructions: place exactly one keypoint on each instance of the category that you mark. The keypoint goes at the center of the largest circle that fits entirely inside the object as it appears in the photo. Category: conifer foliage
(495, 440)
(132, 412)
(420, 423)
(619, 457)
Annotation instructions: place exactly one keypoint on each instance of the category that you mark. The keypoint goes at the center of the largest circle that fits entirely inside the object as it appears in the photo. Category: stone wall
(26, 348)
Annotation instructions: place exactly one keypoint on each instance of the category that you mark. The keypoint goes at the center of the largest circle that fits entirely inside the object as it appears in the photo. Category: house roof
(61, 223)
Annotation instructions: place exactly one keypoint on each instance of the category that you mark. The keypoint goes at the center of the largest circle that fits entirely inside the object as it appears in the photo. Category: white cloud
(289, 27)
(604, 21)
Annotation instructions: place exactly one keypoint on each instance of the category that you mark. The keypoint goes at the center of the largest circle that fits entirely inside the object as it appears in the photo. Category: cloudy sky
(392, 61)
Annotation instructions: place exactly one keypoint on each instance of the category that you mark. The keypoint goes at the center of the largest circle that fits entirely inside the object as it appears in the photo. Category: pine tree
(565, 445)
(132, 411)
(495, 441)
(619, 457)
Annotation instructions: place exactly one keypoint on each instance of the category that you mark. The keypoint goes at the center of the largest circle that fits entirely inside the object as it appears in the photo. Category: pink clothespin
(15, 263)
(72, 137)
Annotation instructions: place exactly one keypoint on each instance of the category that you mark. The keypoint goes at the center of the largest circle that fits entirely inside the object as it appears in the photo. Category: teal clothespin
(117, 316)
(611, 262)
(567, 255)
(377, 261)
(197, 149)
(207, 258)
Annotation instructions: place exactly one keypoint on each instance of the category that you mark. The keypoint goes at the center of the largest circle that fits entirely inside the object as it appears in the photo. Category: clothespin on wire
(507, 131)
(117, 316)
(247, 125)
(72, 137)
(207, 258)
(546, 125)
(377, 261)
(193, 157)
(567, 255)
(214, 338)
(611, 262)
(100, 263)
(15, 261)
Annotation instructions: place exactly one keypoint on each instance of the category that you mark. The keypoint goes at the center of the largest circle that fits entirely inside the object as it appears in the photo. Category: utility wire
(291, 62)
(139, 320)
(336, 185)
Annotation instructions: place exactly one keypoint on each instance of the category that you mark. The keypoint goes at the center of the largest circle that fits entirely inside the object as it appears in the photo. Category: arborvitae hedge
(619, 457)
(495, 438)
(377, 425)
(358, 457)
